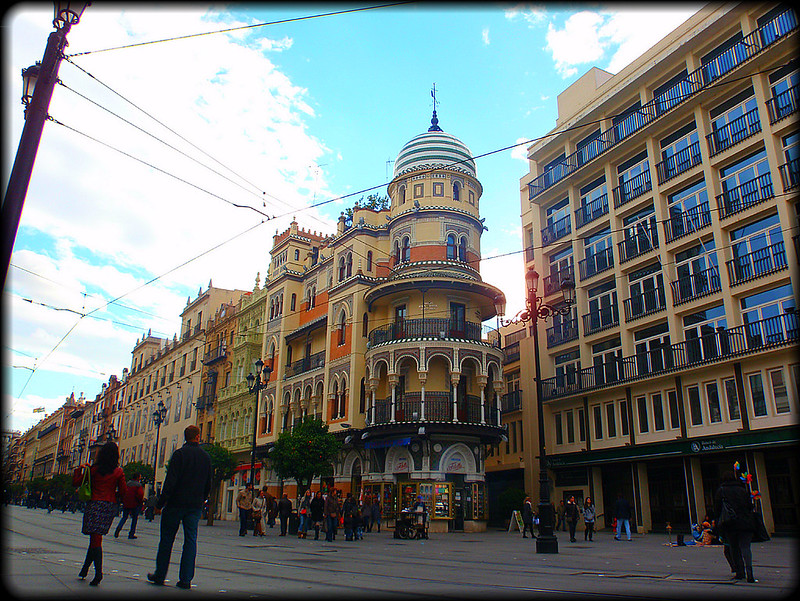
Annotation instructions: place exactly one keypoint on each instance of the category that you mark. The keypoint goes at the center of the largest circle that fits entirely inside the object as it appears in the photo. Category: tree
(223, 465)
(374, 201)
(304, 453)
(137, 467)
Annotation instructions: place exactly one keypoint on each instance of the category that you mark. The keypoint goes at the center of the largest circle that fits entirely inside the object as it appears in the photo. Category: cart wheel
(408, 532)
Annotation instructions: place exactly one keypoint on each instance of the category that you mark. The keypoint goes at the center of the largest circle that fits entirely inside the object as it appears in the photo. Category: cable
(242, 27)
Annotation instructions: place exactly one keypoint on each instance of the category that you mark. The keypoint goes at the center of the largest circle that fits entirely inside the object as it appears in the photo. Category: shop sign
(702, 446)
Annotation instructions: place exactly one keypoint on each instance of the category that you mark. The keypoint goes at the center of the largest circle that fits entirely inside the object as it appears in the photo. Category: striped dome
(434, 149)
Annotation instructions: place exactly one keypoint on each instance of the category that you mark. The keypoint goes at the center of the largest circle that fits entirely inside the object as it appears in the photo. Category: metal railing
(437, 407)
(602, 319)
(592, 210)
(561, 333)
(426, 328)
(596, 263)
(782, 105)
(305, 364)
(632, 188)
(643, 240)
(758, 263)
(687, 222)
(734, 132)
(750, 193)
(649, 301)
(678, 163)
(721, 344)
(555, 230)
(694, 286)
(750, 45)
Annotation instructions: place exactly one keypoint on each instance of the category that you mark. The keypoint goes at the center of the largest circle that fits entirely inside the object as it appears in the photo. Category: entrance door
(459, 495)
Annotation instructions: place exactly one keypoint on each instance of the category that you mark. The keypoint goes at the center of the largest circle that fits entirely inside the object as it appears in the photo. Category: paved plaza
(43, 552)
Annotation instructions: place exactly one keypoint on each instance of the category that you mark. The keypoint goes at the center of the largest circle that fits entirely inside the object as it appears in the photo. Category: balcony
(437, 407)
(552, 282)
(214, 355)
(650, 301)
(596, 263)
(511, 353)
(642, 241)
(678, 163)
(561, 333)
(757, 264)
(694, 286)
(556, 230)
(734, 132)
(749, 46)
(782, 105)
(602, 319)
(511, 401)
(687, 222)
(722, 344)
(790, 175)
(305, 364)
(425, 328)
(591, 211)
(632, 188)
(751, 193)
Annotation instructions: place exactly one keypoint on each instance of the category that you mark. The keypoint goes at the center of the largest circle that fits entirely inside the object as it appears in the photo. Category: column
(423, 377)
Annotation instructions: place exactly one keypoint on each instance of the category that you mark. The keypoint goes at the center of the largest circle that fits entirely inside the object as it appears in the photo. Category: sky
(172, 158)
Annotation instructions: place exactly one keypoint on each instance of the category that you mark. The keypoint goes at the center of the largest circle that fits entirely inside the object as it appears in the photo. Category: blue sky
(282, 118)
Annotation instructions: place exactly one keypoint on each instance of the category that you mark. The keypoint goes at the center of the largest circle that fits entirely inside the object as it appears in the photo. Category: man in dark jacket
(185, 490)
(131, 505)
(622, 511)
(739, 532)
(284, 512)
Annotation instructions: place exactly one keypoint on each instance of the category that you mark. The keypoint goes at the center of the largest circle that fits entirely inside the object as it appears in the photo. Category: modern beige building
(668, 193)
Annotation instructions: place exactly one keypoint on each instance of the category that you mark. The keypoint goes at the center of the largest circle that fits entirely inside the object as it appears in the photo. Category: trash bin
(294, 523)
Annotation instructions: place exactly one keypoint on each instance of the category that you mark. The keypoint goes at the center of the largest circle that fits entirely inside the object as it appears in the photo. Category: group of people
(323, 511)
(180, 503)
(568, 514)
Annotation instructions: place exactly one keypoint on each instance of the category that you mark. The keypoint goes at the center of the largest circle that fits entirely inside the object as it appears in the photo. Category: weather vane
(434, 120)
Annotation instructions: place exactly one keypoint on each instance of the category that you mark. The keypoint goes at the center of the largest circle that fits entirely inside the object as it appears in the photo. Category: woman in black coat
(739, 532)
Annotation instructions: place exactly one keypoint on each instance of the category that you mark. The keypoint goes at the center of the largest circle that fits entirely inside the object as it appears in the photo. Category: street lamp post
(159, 415)
(37, 102)
(537, 309)
(255, 384)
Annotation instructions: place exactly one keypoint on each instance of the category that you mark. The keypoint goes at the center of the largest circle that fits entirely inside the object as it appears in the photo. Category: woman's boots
(93, 556)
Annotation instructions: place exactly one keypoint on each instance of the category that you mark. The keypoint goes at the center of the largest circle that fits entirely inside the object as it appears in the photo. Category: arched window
(288, 355)
(349, 264)
(369, 260)
(451, 246)
(462, 249)
(342, 324)
(406, 249)
(293, 304)
(341, 268)
(364, 324)
(397, 252)
(313, 296)
(335, 401)
(401, 192)
(456, 191)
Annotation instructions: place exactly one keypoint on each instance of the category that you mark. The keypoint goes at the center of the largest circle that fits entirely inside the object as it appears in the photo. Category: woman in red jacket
(107, 480)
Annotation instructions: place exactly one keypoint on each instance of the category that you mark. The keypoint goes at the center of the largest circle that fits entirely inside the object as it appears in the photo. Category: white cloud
(485, 36)
(520, 151)
(610, 39)
(104, 224)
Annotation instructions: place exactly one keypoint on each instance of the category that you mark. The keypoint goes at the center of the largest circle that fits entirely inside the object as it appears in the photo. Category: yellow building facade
(668, 194)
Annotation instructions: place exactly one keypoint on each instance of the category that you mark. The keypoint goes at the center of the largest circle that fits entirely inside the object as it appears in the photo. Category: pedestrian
(527, 518)
(331, 515)
(272, 509)
(561, 523)
(348, 512)
(737, 531)
(377, 513)
(131, 504)
(150, 505)
(589, 516)
(183, 494)
(366, 514)
(304, 511)
(107, 481)
(284, 512)
(622, 513)
(244, 502)
(571, 513)
(317, 507)
(259, 503)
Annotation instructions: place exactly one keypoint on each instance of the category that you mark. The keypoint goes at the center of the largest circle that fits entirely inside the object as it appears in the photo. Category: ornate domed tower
(433, 382)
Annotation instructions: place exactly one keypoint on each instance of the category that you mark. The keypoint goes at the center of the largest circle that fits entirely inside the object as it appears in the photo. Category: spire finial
(434, 121)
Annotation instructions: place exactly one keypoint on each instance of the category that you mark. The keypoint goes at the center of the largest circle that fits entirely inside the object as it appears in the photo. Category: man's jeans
(627, 523)
(171, 518)
(134, 513)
